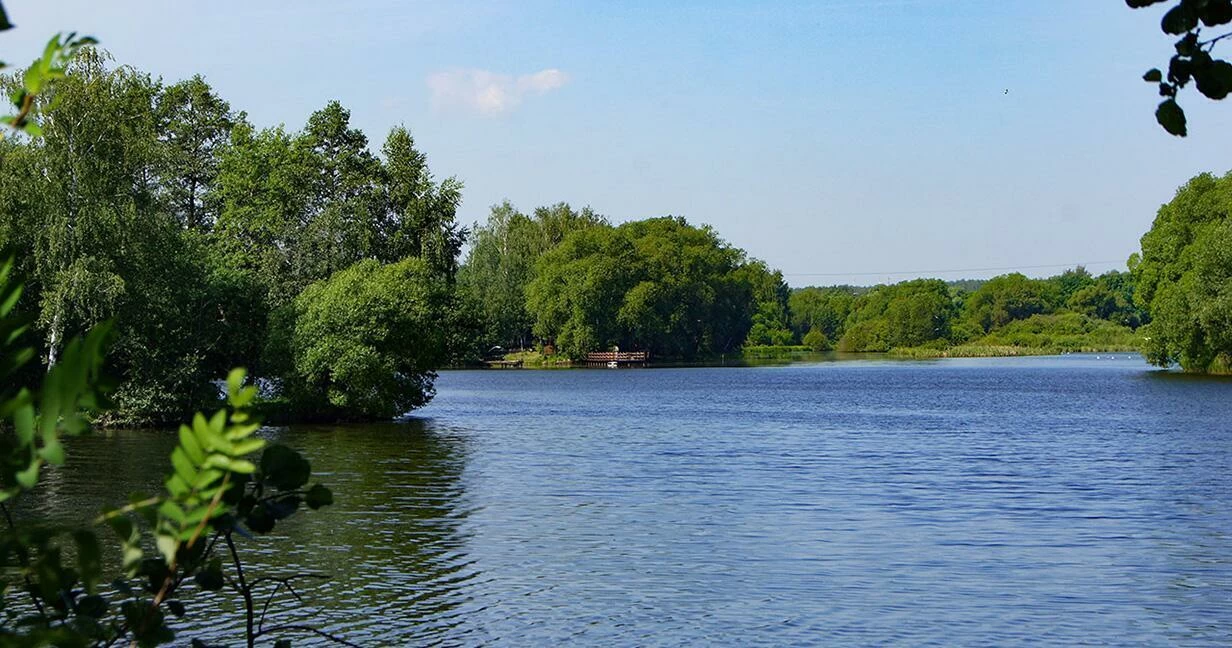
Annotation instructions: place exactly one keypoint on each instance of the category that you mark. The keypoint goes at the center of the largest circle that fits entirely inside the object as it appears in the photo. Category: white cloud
(489, 93)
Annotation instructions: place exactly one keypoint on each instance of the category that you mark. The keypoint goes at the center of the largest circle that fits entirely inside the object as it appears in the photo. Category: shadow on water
(393, 546)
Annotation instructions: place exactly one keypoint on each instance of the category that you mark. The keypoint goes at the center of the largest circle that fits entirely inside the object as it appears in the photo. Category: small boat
(613, 365)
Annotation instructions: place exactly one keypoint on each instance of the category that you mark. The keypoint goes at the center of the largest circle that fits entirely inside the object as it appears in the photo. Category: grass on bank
(1039, 335)
(535, 359)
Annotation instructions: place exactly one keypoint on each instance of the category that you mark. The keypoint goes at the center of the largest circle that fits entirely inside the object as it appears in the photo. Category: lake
(1034, 501)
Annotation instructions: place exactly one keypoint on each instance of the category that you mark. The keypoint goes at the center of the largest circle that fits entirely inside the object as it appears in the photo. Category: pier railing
(619, 357)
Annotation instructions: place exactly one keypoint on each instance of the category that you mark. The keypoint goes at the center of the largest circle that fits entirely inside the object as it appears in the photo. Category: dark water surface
(1042, 501)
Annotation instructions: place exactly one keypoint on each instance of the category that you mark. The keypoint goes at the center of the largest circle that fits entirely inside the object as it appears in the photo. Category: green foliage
(366, 342)
(1184, 274)
(1109, 297)
(660, 284)
(1010, 297)
(294, 208)
(910, 313)
(37, 79)
(816, 340)
(771, 320)
(1193, 60)
(40, 417)
(501, 264)
(1064, 332)
(825, 309)
(188, 228)
(193, 124)
(212, 484)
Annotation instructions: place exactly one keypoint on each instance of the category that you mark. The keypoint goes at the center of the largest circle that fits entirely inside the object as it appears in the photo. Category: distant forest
(573, 280)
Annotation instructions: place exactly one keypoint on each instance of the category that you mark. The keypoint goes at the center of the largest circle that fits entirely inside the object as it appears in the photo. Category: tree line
(576, 282)
(211, 243)
(336, 273)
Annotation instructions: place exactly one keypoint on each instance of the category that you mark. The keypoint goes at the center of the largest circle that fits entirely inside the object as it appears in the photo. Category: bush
(816, 340)
(365, 343)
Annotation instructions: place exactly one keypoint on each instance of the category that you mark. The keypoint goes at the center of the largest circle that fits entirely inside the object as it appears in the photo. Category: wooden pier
(616, 359)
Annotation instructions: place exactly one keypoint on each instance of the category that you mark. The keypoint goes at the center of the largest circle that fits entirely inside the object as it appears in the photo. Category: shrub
(365, 343)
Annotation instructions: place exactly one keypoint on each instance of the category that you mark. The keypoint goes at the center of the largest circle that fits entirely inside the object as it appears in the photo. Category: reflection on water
(392, 546)
(1054, 501)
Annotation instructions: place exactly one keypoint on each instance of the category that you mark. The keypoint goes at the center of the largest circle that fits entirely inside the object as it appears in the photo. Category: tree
(193, 124)
(85, 199)
(1193, 60)
(501, 264)
(906, 314)
(1183, 276)
(771, 314)
(263, 190)
(365, 343)
(1066, 284)
(816, 340)
(1006, 298)
(821, 308)
(658, 284)
(422, 213)
(1109, 297)
(65, 606)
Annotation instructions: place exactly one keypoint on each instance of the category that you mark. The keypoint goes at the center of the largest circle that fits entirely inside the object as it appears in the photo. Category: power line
(924, 272)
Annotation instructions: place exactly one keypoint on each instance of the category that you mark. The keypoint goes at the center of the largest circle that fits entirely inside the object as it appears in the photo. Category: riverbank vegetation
(336, 273)
(1184, 278)
(211, 243)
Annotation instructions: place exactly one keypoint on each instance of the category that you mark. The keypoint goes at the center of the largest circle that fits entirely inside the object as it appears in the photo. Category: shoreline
(763, 356)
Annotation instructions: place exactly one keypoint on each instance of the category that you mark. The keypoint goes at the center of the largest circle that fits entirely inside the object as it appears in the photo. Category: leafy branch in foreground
(214, 492)
(42, 73)
(1193, 60)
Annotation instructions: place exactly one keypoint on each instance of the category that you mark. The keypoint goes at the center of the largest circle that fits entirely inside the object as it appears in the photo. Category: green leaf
(32, 81)
(218, 422)
(120, 524)
(53, 452)
(28, 477)
(247, 447)
(1153, 75)
(210, 578)
(23, 424)
(235, 382)
(1171, 117)
(89, 558)
(167, 546)
(191, 447)
(4, 20)
(184, 468)
(33, 129)
(172, 511)
(318, 496)
(177, 486)
(284, 468)
(232, 465)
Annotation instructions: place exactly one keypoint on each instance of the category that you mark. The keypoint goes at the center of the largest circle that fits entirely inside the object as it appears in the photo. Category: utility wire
(925, 272)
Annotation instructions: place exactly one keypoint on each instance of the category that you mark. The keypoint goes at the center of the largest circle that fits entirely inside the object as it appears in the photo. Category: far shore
(764, 355)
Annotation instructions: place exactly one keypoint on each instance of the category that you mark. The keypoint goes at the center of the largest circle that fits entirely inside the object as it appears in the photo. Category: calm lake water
(1059, 501)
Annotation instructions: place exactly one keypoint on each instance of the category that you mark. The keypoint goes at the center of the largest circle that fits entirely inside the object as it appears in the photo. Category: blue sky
(889, 138)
